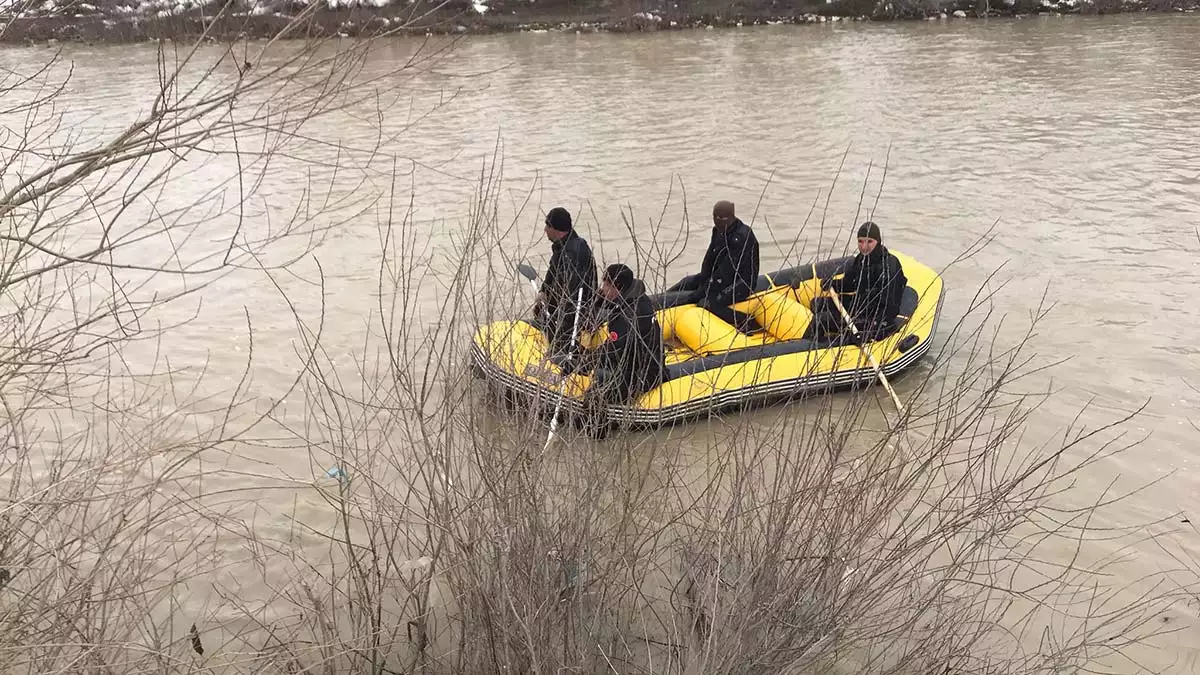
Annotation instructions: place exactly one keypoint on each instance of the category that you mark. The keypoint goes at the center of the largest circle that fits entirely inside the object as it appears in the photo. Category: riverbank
(123, 21)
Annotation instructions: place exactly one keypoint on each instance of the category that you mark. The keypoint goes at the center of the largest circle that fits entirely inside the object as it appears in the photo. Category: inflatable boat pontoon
(711, 366)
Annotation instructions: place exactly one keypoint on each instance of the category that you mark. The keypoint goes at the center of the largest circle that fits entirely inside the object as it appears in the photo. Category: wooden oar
(865, 349)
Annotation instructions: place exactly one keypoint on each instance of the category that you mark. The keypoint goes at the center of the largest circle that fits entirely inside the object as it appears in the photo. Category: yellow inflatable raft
(711, 366)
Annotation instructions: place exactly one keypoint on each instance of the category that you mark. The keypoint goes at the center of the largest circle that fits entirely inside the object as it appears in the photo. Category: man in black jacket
(870, 290)
(729, 271)
(572, 267)
(631, 360)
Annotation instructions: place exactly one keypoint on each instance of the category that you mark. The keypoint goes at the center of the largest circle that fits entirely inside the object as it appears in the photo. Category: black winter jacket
(730, 267)
(633, 353)
(877, 283)
(571, 266)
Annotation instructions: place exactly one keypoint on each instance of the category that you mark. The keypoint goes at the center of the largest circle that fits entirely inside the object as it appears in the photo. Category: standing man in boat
(572, 267)
(729, 271)
(631, 361)
(870, 290)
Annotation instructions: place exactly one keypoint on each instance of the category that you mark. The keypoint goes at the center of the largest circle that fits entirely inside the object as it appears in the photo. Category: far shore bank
(129, 21)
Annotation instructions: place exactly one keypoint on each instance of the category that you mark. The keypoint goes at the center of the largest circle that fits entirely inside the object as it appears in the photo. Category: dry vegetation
(121, 21)
(801, 539)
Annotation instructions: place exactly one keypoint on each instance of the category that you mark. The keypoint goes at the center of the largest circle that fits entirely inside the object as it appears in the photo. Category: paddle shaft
(562, 388)
(866, 350)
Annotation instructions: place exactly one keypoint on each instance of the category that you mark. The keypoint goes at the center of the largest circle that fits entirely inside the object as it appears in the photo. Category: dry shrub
(106, 519)
(803, 538)
(794, 539)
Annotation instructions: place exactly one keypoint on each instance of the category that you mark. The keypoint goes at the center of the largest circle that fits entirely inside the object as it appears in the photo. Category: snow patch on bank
(347, 4)
(59, 8)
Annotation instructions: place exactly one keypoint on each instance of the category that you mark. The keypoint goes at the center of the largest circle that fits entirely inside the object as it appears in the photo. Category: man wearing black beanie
(729, 271)
(572, 267)
(631, 360)
(632, 355)
(870, 290)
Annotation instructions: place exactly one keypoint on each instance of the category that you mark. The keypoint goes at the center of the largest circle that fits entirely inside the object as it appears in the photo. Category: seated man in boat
(571, 268)
(631, 361)
(870, 290)
(729, 271)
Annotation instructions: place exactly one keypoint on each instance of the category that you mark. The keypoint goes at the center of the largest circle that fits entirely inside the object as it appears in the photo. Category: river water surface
(1075, 141)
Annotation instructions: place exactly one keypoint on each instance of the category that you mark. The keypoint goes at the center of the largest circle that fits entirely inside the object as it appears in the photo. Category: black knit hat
(559, 219)
(620, 275)
(871, 231)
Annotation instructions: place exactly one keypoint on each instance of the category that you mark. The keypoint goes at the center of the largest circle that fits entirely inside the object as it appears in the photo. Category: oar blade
(527, 271)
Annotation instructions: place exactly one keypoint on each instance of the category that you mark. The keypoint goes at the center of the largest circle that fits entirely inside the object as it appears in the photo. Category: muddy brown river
(1074, 141)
